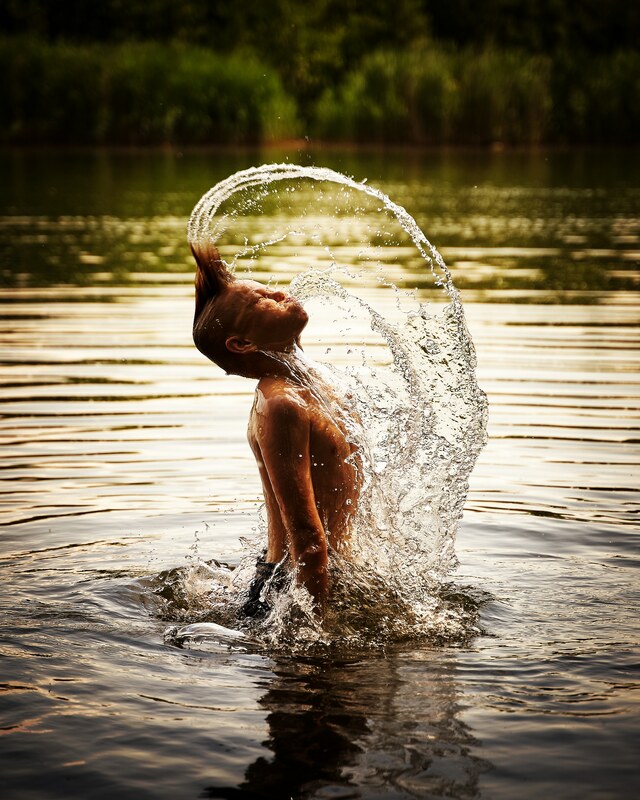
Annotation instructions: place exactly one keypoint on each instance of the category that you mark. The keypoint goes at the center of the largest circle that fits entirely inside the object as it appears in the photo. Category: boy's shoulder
(279, 399)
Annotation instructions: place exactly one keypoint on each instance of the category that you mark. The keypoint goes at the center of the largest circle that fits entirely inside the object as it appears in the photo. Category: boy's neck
(259, 365)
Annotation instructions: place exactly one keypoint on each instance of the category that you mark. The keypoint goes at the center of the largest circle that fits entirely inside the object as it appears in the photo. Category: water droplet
(416, 437)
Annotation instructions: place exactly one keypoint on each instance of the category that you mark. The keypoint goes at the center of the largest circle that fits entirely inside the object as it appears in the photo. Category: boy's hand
(314, 575)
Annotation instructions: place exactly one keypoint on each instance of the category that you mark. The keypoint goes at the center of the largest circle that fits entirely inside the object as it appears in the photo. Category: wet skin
(298, 435)
(261, 318)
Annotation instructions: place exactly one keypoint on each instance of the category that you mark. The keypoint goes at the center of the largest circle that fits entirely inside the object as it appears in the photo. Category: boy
(307, 464)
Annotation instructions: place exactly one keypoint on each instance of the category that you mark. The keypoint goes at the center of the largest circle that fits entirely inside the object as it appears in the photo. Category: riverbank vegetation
(139, 93)
(411, 72)
(435, 95)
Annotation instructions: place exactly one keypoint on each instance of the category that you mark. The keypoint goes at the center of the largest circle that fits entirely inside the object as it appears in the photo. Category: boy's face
(268, 318)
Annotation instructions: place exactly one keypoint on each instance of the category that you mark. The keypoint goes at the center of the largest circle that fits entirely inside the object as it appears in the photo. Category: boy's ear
(237, 345)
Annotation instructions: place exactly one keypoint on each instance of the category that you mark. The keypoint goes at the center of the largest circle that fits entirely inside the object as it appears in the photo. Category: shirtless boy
(307, 465)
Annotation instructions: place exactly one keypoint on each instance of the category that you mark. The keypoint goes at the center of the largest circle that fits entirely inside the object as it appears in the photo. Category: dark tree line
(323, 53)
(346, 29)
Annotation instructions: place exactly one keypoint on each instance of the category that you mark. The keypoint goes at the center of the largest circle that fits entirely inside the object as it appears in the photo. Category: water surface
(124, 455)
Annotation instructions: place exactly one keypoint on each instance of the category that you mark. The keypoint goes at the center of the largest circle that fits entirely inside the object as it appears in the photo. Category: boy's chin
(279, 347)
(288, 343)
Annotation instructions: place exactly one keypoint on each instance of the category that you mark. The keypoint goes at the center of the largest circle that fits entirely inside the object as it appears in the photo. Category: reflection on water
(524, 223)
(124, 454)
(389, 727)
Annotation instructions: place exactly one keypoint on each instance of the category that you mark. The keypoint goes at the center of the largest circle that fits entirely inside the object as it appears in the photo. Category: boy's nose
(277, 295)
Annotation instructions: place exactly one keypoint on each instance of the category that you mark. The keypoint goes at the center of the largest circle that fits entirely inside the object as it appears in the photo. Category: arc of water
(209, 203)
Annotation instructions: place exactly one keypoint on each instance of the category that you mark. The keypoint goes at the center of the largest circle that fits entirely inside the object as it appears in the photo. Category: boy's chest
(327, 441)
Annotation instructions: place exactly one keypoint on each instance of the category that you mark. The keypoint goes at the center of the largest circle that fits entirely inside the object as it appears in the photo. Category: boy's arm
(283, 436)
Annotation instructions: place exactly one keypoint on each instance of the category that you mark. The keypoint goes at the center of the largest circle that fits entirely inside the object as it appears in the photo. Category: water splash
(411, 402)
(210, 220)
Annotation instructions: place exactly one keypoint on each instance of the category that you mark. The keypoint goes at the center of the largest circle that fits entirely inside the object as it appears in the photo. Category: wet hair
(211, 322)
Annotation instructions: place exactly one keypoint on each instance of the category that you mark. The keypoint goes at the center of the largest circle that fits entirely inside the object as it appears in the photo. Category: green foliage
(596, 98)
(392, 97)
(139, 93)
(310, 44)
(536, 26)
(47, 96)
(428, 93)
(504, 97)
(433, 95)
(295, 33)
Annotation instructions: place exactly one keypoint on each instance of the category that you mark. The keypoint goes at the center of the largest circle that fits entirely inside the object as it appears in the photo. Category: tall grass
(506, 98)
(435, 95)
(138, 93)
(596, 98)
(392, 97)
(145, 93)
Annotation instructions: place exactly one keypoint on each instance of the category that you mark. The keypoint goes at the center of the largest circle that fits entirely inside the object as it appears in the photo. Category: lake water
(124, 455)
